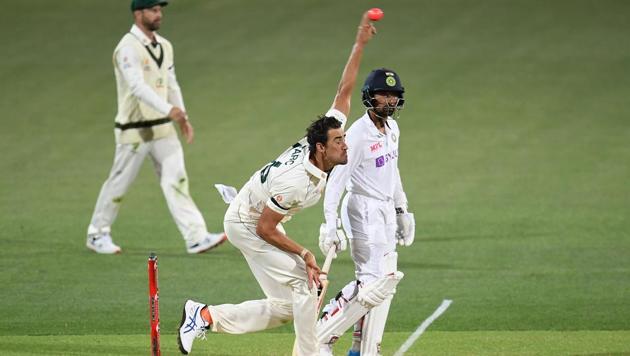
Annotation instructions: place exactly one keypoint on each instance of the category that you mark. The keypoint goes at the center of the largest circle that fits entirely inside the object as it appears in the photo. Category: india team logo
(391, 81)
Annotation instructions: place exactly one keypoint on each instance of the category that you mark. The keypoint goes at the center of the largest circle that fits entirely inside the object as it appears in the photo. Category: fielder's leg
(168, 159)
(128, 159)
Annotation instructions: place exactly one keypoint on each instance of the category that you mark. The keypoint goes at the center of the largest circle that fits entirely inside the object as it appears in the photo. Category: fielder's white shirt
(132, 72)
(372, 168)
(286, 185)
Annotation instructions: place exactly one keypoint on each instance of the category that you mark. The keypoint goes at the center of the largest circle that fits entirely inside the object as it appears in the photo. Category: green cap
(146, 4)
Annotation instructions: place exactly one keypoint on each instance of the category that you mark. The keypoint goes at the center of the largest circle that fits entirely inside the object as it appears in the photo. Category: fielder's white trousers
(168, 160)
(282, 278)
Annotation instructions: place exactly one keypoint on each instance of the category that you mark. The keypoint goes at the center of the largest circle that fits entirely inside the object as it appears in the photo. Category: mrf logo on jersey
(375, 147)
(382, 160)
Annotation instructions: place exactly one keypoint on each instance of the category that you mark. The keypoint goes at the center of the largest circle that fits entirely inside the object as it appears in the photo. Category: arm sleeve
(175, 96)
(129, 65)
(400, 198)
(284, 197)
(338, 180)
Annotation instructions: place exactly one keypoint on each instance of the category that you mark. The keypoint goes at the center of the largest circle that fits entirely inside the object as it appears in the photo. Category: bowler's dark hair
(317, 132)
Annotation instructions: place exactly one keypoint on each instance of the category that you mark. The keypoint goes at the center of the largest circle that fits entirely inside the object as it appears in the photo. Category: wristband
(303, 253)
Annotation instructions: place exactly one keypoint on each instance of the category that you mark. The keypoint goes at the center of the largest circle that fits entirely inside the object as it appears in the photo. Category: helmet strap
(376, 117)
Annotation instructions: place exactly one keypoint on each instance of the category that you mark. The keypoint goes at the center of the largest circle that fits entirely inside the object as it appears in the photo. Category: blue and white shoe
(191, 327)
(354, 353)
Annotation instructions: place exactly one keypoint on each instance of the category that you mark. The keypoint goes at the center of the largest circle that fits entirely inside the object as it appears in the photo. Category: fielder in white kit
(285, 271)
(373, 212)
(149, 101)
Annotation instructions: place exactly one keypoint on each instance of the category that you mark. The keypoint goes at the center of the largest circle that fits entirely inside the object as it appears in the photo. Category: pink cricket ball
(375, 14)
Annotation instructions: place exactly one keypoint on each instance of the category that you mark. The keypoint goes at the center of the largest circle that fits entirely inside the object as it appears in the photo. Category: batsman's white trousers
(168, 160)
(281, 276)
(371, 227)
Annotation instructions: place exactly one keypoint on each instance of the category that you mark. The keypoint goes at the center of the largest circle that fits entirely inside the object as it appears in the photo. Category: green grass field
(515, 155)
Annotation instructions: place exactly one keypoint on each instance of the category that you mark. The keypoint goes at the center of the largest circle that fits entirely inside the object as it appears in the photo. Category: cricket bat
(324, 283)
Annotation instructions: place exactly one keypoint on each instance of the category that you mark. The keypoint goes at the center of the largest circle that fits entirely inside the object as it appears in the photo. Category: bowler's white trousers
(168, 160)
(281, 276)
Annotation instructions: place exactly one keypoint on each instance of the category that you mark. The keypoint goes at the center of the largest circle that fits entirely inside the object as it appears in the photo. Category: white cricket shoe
(207, 243)
(191, 327)
(102, 243)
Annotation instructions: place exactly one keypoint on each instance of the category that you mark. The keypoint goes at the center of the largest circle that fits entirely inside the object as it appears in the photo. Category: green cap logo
(391, 81)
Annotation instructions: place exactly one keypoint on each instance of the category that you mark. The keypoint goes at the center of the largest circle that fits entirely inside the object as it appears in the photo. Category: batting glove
(405, 227)
(332, 236)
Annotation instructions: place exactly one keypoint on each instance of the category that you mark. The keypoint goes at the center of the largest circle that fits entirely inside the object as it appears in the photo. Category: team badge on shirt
(126, 64)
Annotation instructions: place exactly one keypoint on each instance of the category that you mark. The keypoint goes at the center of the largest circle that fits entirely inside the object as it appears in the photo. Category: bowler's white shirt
(372, 168)
(286, 185)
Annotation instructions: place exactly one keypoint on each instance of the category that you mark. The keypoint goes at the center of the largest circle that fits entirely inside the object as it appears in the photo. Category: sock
(205, 315)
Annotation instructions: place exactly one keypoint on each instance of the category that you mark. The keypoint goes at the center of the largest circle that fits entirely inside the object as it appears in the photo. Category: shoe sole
(101, 253)
(220, 242)
(181, 323)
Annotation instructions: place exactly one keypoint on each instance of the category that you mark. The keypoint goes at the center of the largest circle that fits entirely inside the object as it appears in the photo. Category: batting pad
(331, 327)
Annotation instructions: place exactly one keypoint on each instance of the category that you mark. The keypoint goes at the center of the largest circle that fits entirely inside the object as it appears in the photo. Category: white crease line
(425, 324)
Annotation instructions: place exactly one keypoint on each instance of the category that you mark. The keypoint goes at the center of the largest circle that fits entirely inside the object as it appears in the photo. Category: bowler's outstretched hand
(366, 30)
